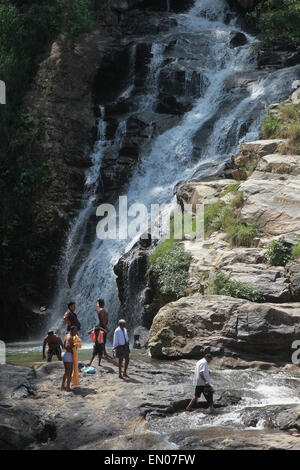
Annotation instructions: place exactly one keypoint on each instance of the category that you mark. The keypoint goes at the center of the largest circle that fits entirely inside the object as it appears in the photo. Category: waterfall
(227, 111)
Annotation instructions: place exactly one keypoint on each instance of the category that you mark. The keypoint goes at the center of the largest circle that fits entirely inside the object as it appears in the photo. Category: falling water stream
(227, 111)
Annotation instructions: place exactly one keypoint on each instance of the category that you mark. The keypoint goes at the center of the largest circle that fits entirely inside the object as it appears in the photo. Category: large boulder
(274, 200)
(194, 325)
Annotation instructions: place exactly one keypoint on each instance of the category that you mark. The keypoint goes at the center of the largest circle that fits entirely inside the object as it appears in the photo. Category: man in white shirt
(121, 347)
(202, 383)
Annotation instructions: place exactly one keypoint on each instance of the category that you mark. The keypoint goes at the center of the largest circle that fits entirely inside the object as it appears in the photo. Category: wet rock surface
(145, 411)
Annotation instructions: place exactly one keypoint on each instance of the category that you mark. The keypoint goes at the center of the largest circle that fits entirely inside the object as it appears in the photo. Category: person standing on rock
(202, 383)
(67, 357)
(97, 335)
(54, 346)
(121, 347)
(103, 322)
(70, 317)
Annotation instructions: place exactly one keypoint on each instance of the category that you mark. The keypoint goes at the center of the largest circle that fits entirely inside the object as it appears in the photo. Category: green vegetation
(171, 242)
(270, 126)
(223, 285)
(219, 216)
(285, 125)
(171, 270)
(232, 188)
(296, 250)
(278, 253)
(278, 20)
(26, 29)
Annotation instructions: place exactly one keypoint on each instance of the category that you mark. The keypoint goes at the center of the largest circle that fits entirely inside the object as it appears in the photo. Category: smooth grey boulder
(197, 324)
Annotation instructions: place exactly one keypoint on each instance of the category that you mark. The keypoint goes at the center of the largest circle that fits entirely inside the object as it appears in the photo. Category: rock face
(131, 270)
(293, 271)
(61, 99)
(274, 199)
(271, 192)
(278, 58)
(250, 153)
(204, 193)
(224, 325)
(271, 281)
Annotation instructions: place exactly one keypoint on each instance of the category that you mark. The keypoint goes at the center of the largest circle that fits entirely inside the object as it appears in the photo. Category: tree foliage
(278, 20)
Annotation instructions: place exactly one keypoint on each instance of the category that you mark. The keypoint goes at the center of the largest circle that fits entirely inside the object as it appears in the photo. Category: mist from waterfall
(205, 39)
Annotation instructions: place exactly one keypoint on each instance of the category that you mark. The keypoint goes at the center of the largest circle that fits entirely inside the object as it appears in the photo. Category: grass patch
(242, 234)
(219, 216)
(232, 188)
(223, 285)
(285, 126)
(296, 250)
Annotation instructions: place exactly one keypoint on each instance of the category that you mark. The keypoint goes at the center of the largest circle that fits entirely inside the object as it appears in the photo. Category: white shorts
(67, 356)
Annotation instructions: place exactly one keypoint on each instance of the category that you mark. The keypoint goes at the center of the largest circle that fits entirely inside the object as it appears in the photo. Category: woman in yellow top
(77, 344)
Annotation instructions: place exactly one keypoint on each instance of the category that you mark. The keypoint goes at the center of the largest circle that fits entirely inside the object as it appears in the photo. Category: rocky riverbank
(145, 411)
(267, 186)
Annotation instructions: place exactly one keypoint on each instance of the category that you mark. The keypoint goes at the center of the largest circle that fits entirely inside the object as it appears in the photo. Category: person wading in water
(121, 347)
(67, 357)
(201, 381)
(54, 346)
(70, 317)
(103, 322)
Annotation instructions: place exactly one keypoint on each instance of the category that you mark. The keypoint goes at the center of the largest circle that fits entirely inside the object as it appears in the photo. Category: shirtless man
(67, 357)
(103, 322)
(54, 346)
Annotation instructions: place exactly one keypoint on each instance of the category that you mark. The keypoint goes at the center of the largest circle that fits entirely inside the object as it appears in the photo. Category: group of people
(66, 351)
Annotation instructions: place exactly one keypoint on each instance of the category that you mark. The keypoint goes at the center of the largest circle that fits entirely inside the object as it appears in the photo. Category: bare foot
(121, 377)
(68, 390)
(189, 409)
(125, 375)
(63, 389)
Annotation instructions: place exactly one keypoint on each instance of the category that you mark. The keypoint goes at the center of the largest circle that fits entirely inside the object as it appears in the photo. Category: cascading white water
(201, 36)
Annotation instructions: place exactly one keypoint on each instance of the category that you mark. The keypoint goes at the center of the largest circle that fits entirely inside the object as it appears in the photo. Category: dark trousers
(207, 392)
